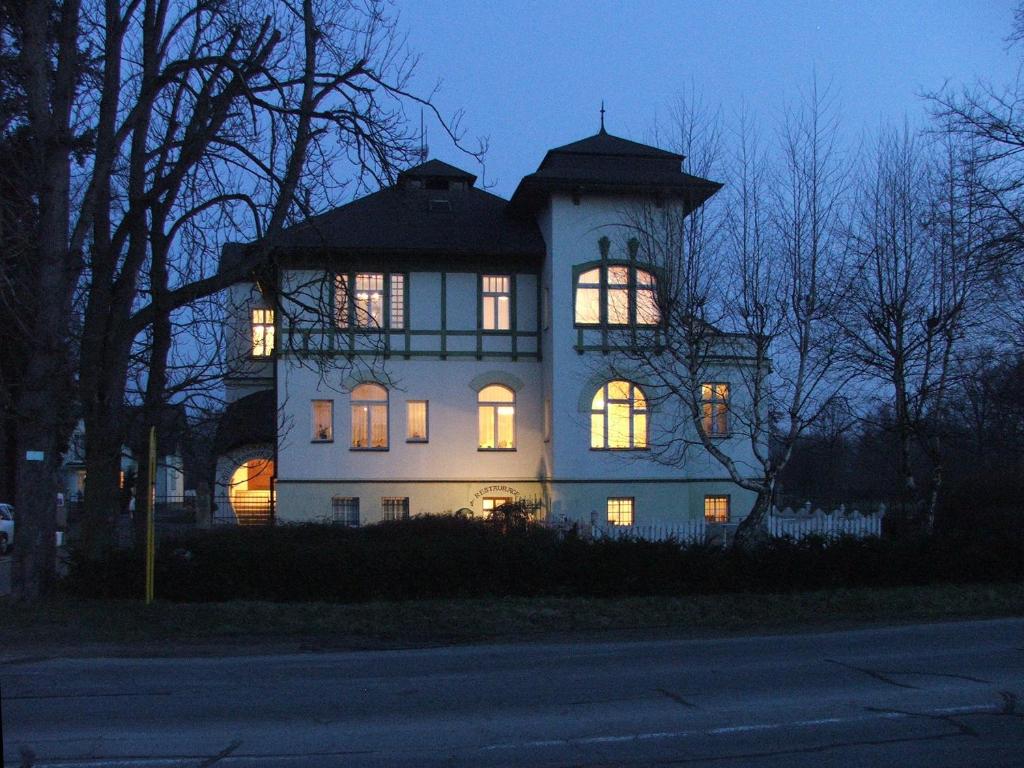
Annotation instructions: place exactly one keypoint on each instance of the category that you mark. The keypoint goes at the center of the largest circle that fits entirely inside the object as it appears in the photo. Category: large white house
(432, 347)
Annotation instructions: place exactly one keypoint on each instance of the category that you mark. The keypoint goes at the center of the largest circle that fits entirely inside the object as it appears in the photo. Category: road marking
(978, 709)
(233, 757)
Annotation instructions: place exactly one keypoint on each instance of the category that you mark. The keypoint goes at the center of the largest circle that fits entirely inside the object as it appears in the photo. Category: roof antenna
(424, 150)
(602, 117)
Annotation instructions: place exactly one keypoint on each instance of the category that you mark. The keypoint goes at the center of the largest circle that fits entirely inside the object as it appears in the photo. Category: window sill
(370, 450)
(418, 440)
(496, 450)
(618, 450)
(322, 440)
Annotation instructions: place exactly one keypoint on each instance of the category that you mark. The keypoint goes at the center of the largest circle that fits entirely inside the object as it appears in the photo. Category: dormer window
(616, 295)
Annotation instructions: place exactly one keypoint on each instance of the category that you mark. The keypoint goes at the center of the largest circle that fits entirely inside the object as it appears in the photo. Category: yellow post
(150, 526)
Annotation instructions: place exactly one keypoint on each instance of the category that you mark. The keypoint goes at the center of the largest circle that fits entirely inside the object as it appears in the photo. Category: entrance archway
(251, 492)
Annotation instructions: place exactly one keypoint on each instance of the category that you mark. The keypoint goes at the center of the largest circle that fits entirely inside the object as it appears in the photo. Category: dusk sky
(531, 75)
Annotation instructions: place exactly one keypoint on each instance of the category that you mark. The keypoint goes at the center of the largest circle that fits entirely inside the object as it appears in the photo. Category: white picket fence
(785, 523)
(827, 525)
(687, 532)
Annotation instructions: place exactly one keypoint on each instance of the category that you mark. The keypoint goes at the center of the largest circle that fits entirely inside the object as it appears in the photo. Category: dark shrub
(453, 557)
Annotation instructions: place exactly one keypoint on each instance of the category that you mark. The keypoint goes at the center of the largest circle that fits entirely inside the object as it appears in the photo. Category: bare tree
(919, 268)
(234, 115)
(746, 347)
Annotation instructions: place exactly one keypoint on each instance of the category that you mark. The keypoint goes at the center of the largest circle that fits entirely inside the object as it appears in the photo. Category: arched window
(370, 417)
(617, 294)
(496, 408)
(618, 417)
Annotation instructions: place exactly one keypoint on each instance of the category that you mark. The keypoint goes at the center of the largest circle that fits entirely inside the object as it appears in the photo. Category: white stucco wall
(451, 452)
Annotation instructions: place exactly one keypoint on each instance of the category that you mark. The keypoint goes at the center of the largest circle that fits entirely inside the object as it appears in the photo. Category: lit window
(341, 301)
(395, 507)
(323, 421)
(370, 417)
(416, 421)
(262, 332)
(588, 298)
(364, 305)
(647, 312)
(345, 511)
(620, 511)
(716, 509)
(616, 294)
(496, 302)
(398, 301)
(618, 417)
(368, 304)
(491, 503)
(497, 417)
(715, 409)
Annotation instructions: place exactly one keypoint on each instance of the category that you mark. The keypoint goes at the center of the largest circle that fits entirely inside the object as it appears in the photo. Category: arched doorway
(251, 492)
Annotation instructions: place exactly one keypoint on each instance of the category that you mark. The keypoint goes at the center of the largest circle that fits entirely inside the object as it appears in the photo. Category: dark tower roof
(606, 164)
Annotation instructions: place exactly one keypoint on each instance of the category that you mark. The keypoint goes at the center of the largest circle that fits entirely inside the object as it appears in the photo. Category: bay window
(616, 295)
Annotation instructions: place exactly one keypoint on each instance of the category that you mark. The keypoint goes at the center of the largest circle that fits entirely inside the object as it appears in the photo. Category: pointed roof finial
(602, 116)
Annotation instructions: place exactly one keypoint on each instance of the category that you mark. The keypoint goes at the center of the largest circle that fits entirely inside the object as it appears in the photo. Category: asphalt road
(5, 575)
(929, 695)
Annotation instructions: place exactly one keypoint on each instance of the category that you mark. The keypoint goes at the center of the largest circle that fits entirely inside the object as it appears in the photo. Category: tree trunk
(43, 405)
(102, 503)
(39, 432)
(752, 529)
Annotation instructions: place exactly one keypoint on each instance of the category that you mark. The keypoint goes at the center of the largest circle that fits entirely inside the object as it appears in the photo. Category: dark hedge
(452, 557)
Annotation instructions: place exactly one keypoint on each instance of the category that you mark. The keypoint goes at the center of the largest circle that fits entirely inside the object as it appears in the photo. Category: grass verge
(70, 623)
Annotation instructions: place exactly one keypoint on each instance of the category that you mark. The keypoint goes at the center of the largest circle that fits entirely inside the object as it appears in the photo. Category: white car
(6, 528)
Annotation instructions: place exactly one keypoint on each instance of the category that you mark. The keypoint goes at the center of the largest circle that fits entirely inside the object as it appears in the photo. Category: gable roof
(606, 164)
